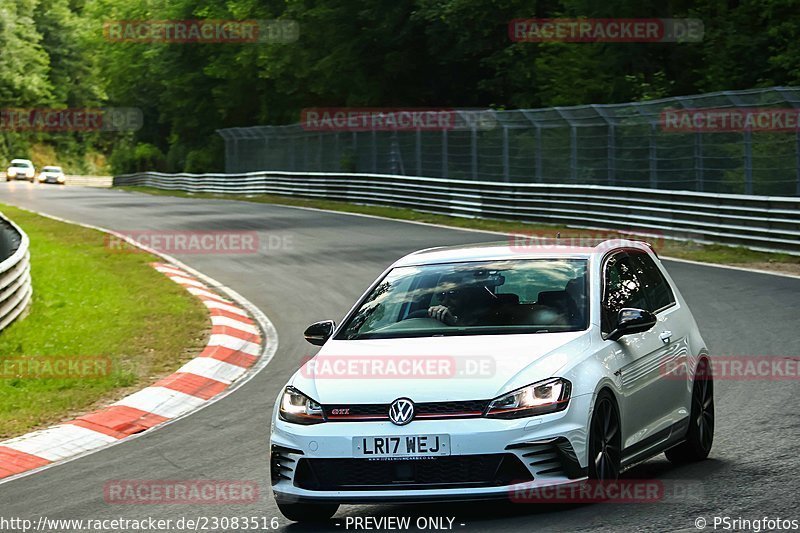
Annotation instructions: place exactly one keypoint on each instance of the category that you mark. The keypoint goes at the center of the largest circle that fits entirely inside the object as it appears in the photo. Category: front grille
(436, 409)
(489, 470)
(426, 410)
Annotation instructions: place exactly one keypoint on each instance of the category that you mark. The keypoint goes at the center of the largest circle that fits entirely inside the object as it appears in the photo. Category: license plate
(401, 446)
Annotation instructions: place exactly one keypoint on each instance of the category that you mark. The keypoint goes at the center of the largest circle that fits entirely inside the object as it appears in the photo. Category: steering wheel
(419, 313)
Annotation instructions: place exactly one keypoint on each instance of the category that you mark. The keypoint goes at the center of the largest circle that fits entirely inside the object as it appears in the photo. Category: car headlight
(12, 172)
(298, 408)
(540, 398)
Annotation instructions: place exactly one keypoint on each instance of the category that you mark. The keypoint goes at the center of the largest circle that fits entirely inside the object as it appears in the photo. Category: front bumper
(489, 459)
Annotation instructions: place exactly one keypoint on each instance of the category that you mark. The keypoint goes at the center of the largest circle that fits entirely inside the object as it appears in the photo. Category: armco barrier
(767, 223)
(89, 181)
(15, 271)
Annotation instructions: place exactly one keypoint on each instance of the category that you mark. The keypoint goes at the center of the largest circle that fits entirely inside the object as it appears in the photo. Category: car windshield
(20, 164)
(51, 169)
(497, 297)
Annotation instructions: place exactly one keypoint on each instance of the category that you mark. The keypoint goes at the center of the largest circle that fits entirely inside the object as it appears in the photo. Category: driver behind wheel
(465, 306)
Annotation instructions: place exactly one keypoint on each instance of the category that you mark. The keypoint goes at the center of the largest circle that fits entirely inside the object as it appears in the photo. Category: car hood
(432, 369)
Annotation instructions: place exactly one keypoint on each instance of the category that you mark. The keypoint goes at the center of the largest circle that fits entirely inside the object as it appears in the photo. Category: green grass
(666, 247)
(92, 301)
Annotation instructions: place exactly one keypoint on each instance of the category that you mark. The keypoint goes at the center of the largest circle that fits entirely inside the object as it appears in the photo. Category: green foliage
(127, 158)
(24, 63)
(402, 53)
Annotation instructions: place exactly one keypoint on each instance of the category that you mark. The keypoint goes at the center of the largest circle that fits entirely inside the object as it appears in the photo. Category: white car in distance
(52, 174)
(20, 169)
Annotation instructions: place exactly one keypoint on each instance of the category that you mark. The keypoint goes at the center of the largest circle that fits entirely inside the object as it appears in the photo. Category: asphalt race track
(324, 264)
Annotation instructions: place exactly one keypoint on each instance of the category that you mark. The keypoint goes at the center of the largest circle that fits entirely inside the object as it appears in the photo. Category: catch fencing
(680, 143)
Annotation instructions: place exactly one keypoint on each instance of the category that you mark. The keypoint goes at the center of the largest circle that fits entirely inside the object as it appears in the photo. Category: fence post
(653, 158)
(444, 154)
(748, 162)
(292, 158)
(230, 150)
(573, 153)
(612, 154)
(305, 154)
(474, 150)
(338, 151)
(698, 161)
(319, 153)
(418, 151)
(374, 151)
(797, 160)
(538, 154)
(506, 158)
(355, 151)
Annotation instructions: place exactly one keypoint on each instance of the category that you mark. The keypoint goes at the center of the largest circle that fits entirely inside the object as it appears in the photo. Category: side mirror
(631, 321)
(319, 332)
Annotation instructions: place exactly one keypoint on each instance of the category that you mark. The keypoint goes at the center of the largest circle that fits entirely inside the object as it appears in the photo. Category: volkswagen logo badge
(401, 412)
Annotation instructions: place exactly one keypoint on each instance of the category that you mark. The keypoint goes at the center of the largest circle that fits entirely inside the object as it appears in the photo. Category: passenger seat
(561, 302)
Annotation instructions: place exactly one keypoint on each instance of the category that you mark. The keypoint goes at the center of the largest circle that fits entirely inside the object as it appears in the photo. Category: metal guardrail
(15, 271)
(767, 223)
(81, 181)
(89, 181)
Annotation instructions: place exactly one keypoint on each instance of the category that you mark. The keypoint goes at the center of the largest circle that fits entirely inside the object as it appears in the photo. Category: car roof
(519, 247)
(21, 161)
(53, 166)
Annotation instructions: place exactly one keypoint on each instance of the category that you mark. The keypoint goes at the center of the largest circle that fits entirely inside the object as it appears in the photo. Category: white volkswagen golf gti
(469, 372)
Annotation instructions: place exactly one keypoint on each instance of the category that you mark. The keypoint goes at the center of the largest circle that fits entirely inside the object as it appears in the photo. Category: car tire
(700, 435)
(308, 512)
(605, 439)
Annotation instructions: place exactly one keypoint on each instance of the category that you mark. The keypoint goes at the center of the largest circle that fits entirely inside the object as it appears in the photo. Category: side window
(622, 288)
(659, 293)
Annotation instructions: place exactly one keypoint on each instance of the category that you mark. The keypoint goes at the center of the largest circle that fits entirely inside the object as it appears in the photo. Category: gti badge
(401, 412)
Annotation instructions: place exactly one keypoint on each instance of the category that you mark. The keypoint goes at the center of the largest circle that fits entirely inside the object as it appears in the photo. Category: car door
(673, 332)
(639, 358)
